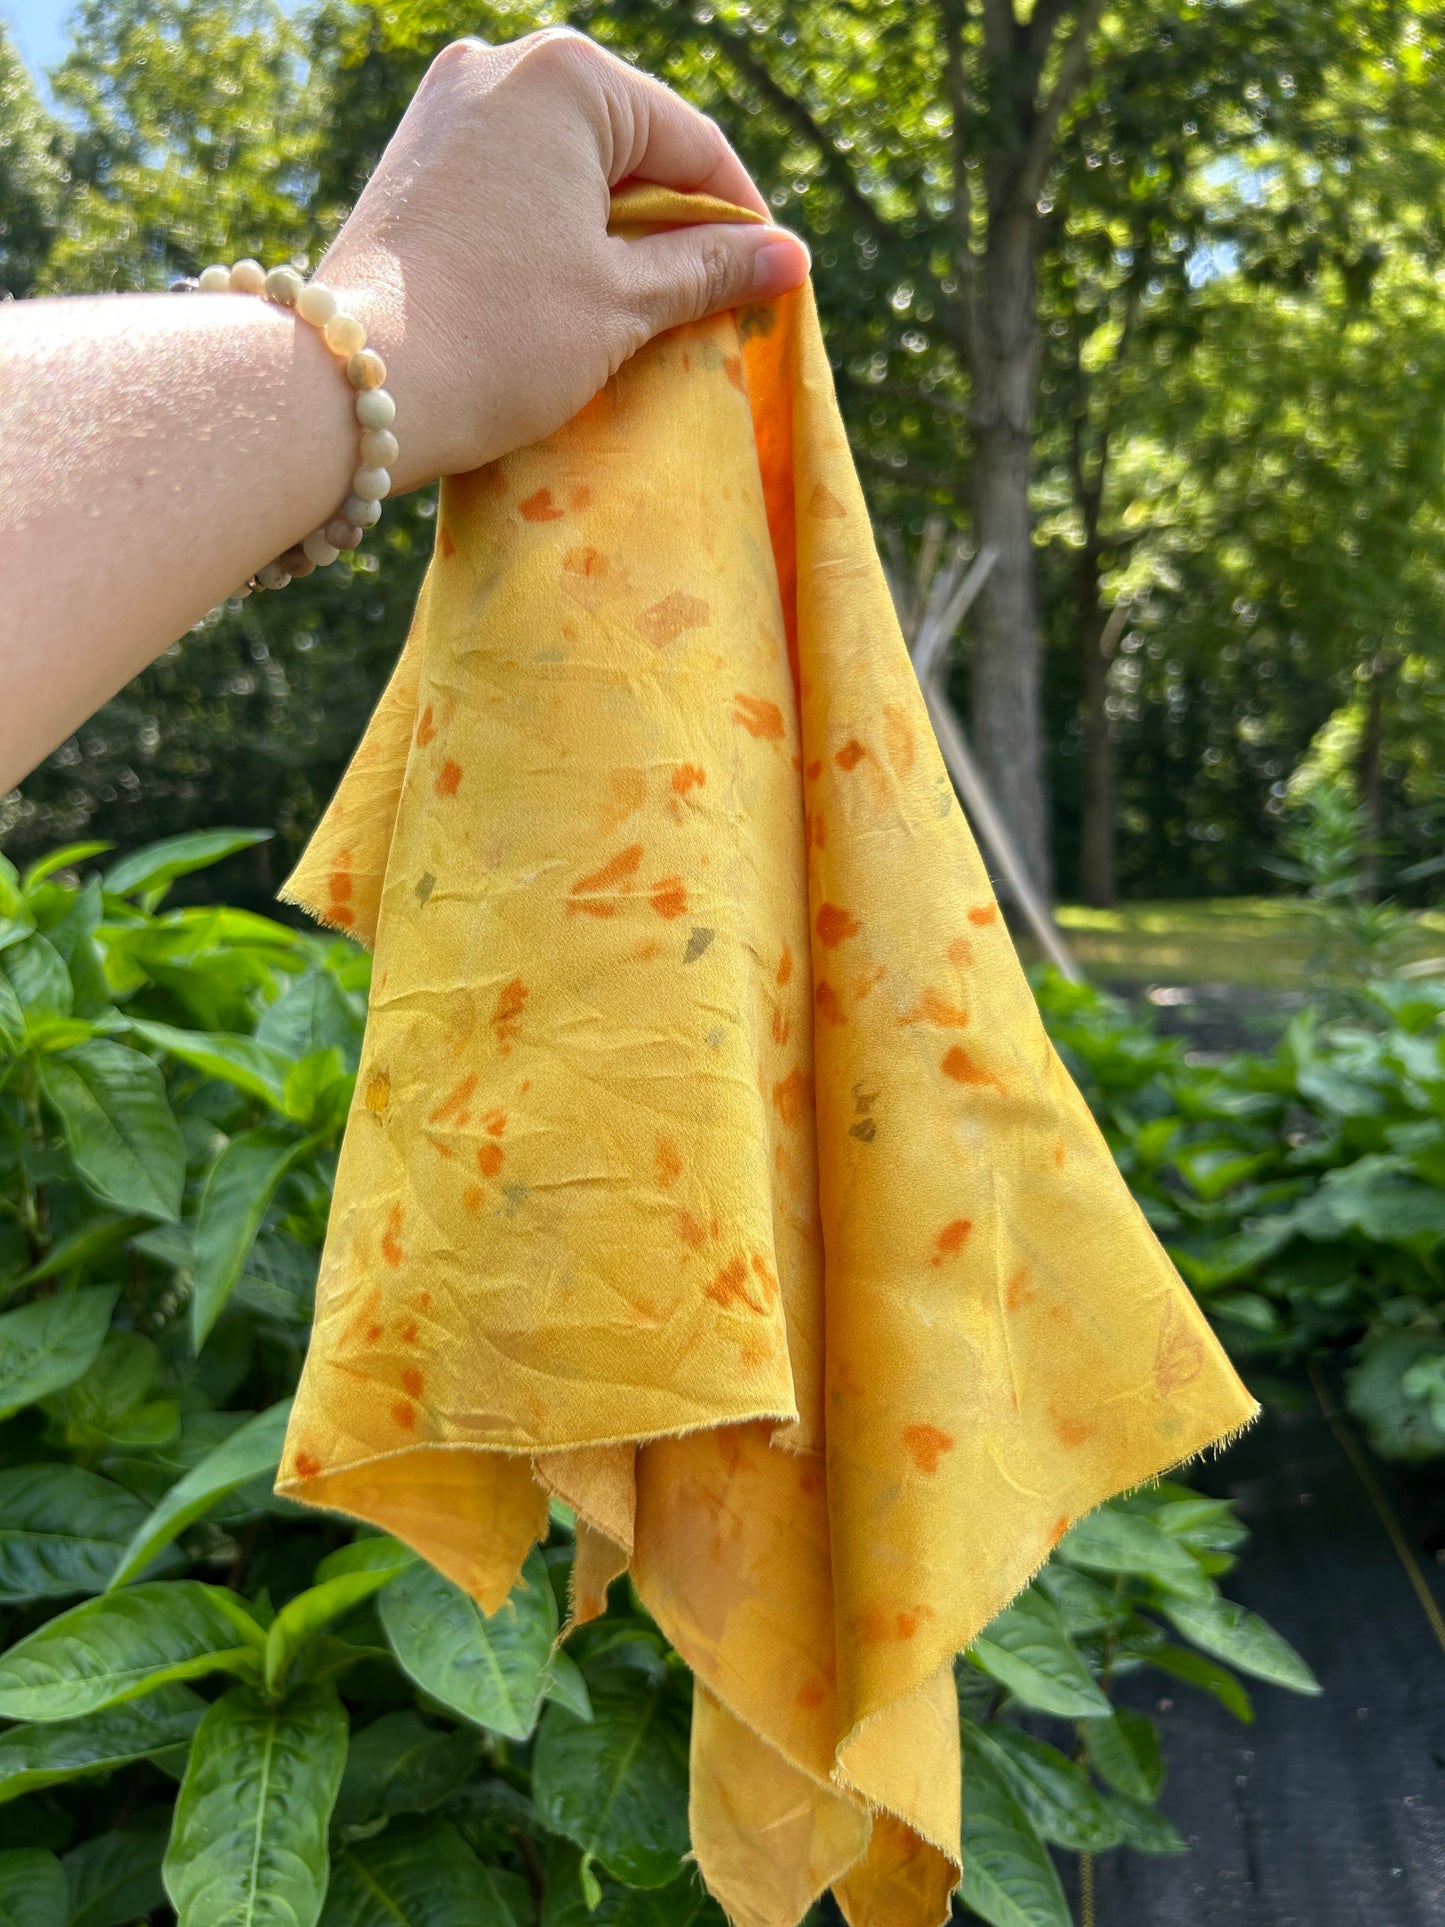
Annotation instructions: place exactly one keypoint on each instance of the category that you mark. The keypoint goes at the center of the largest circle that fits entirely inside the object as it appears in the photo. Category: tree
(31, 178)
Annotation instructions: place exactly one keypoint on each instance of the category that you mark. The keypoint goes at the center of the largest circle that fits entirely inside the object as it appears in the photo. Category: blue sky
(39, 29)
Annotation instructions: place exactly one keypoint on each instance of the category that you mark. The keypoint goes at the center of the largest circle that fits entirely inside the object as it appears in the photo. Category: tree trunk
(1096, 826)
(1007, 675)
(1371, 778)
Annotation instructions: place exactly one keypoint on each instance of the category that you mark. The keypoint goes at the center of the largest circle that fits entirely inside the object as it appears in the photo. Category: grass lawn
(1262, 941)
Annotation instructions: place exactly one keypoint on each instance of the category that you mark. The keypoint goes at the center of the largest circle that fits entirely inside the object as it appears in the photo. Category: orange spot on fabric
(690, 1231)
(669, 899)
(1070, 1432)
(934, 1008)
(958, 1065)
(1179, 1352)
(873, 1626)
(496, 1122)
(733, 369)
(665, 621)
(307, 1467)
(391, 1238)
(579, 497)
(445, 543)
(824, 503)
(667, 1163)
(811, 1693)
(412, 1382)
(951, 1239)
(730, 1288)
(340, 885)
(785, 965)
(442, 1150)
(813, 771)
(378, 1092)
(453, 1109)
(851, 754)
(819, 829)
(586, 892)
(539, 507)
(835, 924)
(472, 1197)
(763, 1271)
(826, 998)
(927, 1445)
(404, 1415)
(687, 776)
(423, 1300)
(960, 952)
(585, 561)
(507, 1017)
(489, 1159)
(1017, 1293)
(866, 985)
(782, 1029)
(898, 738)
(449, 777)
(1059, 1156)
(810, 1482)
(373, 1333)
(789, 1097)
(409, 1332)
(1058, 1528)
(758, 717)
(339, 913)
(983, 913)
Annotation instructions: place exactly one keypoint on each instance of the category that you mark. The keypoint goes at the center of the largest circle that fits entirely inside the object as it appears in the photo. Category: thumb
(695, 271)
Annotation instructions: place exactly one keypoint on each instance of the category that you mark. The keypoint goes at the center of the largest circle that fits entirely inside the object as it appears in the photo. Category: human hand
(478, 254)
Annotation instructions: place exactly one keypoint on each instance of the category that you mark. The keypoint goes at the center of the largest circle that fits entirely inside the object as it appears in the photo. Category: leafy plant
(220, 1703)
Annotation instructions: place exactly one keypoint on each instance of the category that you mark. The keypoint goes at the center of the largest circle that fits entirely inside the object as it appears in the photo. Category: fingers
(695, 271)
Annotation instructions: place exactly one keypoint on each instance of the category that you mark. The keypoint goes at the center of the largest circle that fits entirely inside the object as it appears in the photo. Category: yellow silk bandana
(709, 1165)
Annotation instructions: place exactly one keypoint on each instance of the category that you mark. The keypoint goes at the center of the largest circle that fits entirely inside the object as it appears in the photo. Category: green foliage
(217, 1697)
(1301, 1192)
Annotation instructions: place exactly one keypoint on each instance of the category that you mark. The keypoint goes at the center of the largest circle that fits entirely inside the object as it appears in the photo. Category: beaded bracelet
(375, 411)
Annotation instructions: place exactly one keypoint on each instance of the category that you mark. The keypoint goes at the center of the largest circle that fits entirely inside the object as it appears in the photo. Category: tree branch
(801, 121)
(1073, 67)
(910, 473)
(963, 311)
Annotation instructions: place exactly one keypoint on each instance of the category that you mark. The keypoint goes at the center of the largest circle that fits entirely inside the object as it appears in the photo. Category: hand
(479, 259)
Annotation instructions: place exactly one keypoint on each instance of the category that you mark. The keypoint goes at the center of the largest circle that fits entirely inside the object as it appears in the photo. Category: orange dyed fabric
(709, 1165)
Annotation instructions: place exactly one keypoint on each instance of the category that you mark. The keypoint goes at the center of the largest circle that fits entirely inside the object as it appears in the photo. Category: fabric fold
(709, 1166)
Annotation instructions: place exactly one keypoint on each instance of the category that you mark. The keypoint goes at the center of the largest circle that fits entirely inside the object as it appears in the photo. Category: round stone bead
(248, 277)
(321, 552)
(297, 563)
(379, 448)
(239, 595)
(361, 514)
(345, 334)
(366, 369)
(215, 280)
(284, 285)
(342, 534)
(371, 484)
(375, 408)
(316, 303)
(273, 576)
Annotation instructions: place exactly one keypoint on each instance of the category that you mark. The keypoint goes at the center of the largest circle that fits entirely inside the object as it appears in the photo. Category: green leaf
(1054, 1791)
(370, 1552)
(1026, 1649)
(1125, 1751)
(32, 1757)
(490, 1670)
(310, 1611)
(238, 1194)
(126, 1643)
(315, 1014)
(566, 1900)
(47, 1345)
(318, 1090)
(32, 1889)
(115, 1878)
(565, 1685)
(61, 1529)
(1202, 1672)
(36, 973)
(616, 1784)
(1008, 1877)
(65, 858)
(1115, 1541)
(399, 1764)
(1143, 1827)
(112, 1106)
(95, 1237)
(418, 1875)
(148, 873)
(252, 1451)
(236, 1060)
(249, 1840)
(1241, 1638)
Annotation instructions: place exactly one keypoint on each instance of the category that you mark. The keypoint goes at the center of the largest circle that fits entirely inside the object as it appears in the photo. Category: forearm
(155, 450)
